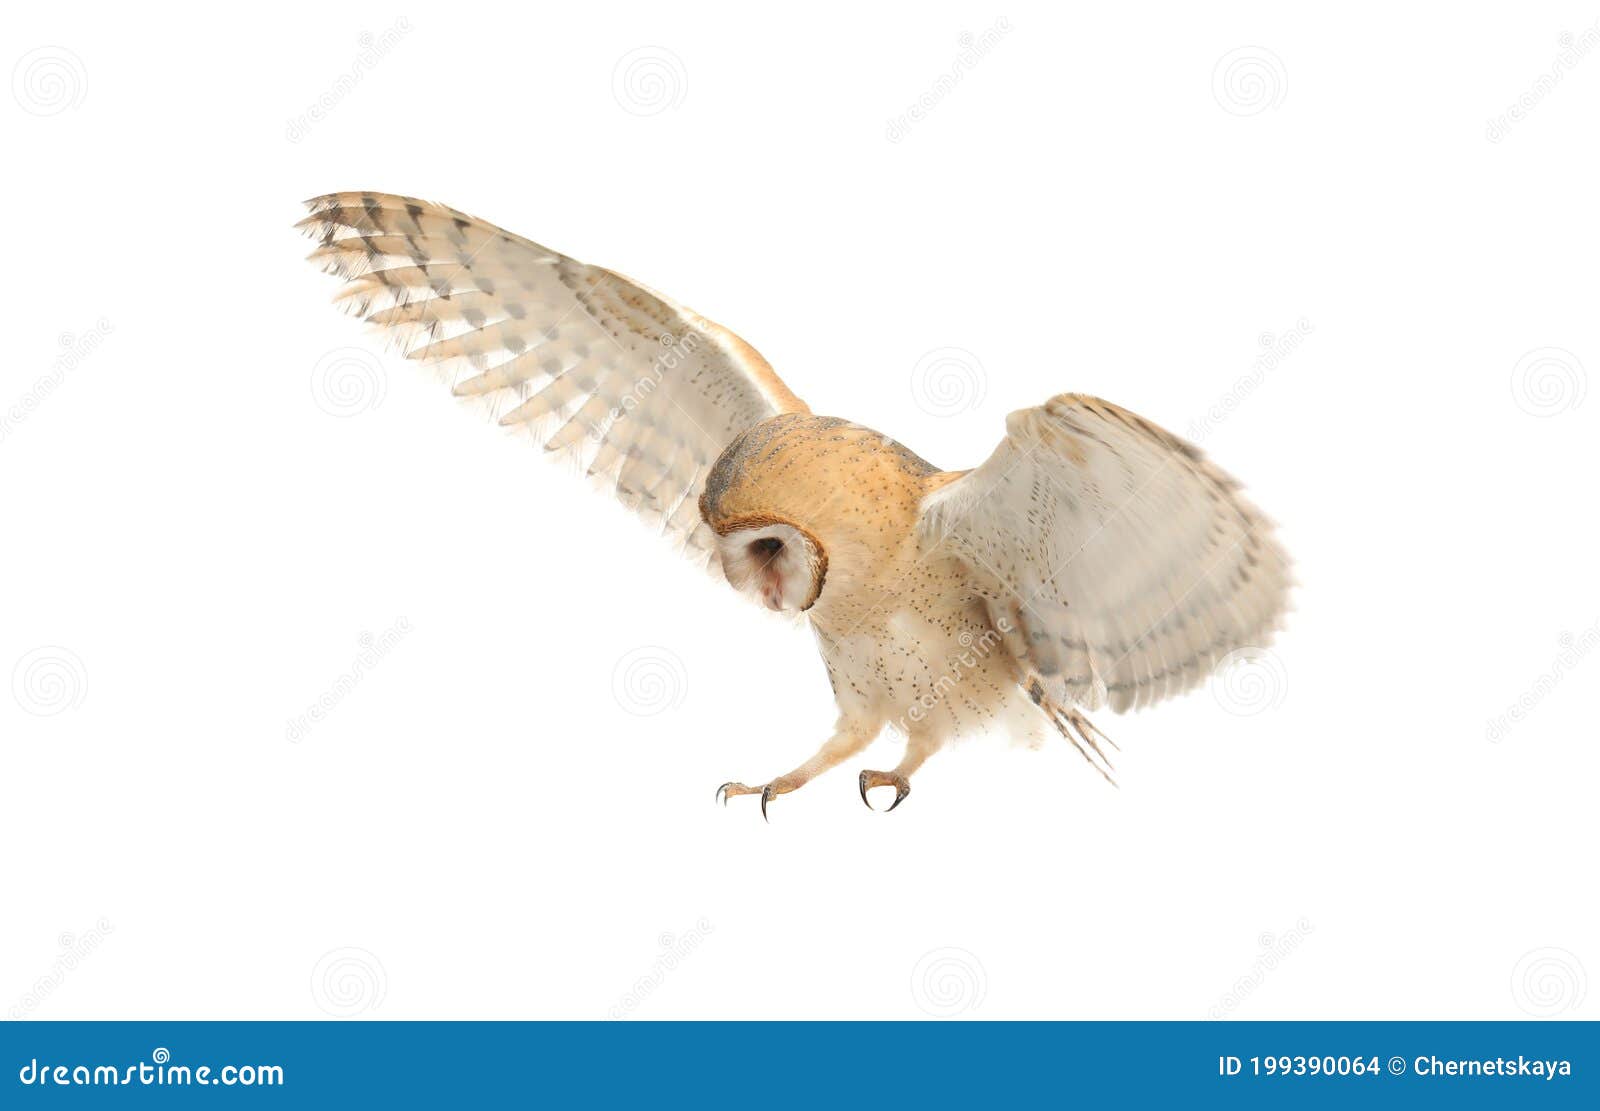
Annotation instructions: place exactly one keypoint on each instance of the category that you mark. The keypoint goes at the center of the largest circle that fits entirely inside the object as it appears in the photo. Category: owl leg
(845, 743)
(919, 747)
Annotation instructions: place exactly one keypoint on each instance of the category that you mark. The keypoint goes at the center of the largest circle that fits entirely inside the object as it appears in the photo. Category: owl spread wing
(1118, 563)
(642, 391)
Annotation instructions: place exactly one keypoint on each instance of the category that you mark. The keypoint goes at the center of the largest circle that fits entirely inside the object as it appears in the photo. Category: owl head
(798, 497)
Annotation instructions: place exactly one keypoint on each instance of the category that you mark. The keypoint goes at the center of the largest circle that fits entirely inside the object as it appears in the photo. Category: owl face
(778, 564)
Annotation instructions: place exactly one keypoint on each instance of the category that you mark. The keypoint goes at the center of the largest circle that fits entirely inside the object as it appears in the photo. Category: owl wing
(643, 392)
(1117, 561)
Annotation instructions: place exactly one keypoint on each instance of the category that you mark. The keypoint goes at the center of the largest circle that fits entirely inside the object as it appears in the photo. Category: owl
(1093, 560)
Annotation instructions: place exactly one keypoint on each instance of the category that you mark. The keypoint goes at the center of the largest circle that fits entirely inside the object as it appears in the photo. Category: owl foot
(768, 791)
(901, 785)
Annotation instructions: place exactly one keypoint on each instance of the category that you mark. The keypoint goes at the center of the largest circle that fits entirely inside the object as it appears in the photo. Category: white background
(197, 535)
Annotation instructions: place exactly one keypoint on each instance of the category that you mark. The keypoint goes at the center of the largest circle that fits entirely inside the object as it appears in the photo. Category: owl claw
(901, 785)
(768, 792)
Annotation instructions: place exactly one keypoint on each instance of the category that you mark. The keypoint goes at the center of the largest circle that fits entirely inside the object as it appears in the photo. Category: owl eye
(766, 548)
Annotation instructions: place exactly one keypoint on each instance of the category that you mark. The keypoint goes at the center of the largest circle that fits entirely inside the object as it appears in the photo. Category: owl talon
(768, 792)
(730, 789)
(901, 785)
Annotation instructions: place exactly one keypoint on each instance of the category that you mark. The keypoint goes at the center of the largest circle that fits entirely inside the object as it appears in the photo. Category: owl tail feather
(1071, 724)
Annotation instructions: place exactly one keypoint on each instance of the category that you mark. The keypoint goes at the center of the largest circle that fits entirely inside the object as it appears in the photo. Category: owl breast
(924, 659)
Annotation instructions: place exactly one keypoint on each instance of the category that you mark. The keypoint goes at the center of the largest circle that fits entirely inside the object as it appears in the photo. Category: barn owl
(1093, 560)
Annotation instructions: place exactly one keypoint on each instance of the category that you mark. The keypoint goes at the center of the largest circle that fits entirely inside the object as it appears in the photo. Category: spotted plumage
(1093, 560)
